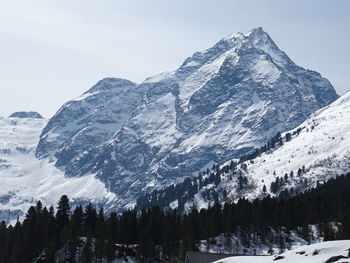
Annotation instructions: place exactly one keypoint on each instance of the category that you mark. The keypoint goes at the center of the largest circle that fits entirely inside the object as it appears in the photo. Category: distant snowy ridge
(26, 114)
(220, 104)
(26, 180)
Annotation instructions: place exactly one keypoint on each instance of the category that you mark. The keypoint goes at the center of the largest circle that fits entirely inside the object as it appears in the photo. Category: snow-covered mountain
(318, 149)
(25, 179)
(220, 104)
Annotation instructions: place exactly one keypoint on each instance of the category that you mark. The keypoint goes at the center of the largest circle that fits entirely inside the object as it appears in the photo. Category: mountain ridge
(219, 104)
(26, 114)
(129, 139)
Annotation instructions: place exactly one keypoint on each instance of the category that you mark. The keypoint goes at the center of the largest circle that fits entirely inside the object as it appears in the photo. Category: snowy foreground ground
(316, 253)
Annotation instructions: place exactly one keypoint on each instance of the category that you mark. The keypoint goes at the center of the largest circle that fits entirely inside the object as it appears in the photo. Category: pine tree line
(154, 234)
(186, 190)
(281, 181)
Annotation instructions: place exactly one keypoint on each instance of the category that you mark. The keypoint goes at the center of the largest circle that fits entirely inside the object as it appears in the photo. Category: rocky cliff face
(218, 105)
(88, 121)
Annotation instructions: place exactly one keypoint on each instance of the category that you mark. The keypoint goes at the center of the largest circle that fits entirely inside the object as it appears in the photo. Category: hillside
(322, 147)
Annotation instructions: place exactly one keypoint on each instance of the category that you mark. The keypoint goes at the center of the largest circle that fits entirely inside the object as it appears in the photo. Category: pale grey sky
(52, 51)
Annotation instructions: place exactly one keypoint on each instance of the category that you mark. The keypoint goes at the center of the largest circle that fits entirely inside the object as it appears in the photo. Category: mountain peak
(258, 35)
(111, 83)
(256, 38)
(257, 31)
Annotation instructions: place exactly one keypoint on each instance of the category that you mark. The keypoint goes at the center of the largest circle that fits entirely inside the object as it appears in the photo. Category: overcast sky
(54, 50)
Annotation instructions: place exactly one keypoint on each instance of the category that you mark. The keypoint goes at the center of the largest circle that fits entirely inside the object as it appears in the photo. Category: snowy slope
(219, 104)
(316, 253)
(25, 179)
(322, 147)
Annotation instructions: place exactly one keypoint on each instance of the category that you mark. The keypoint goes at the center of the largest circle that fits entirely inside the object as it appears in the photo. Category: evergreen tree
(344, 232)
(146, 245)
(328, 232)
(86, 254)
(185, 246)
(90, 219)
(63, 212)
(280, 141)
(264, 188)
(75, 231)
(100, 236)
(306, 234)
(111, 235)
(288, 137)
(51, 250)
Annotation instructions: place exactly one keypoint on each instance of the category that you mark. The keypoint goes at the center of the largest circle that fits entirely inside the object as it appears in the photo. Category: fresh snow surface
(25, 179)
(323, 147)
(315, 253)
